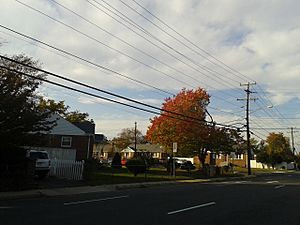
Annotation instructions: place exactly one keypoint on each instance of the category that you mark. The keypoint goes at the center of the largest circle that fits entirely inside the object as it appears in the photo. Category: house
(104, 149)
(99, 143)
(155, 151)
(224, 159)
(68, 141)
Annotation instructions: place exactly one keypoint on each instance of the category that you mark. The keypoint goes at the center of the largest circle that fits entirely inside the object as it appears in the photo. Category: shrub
(116, 162)
(136, 166)
(90, 167)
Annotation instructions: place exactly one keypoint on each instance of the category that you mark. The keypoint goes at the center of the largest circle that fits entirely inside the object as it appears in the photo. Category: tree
(127, 137)
(192, 135)
(55, 107)
(116, 161)
(76, 116)
(276, 150)
(61, 109)
(21, 120)
(188, 133)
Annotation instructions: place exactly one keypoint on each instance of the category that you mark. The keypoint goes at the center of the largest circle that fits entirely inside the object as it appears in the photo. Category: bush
(116, 162)
(136, 166)
(90, 167)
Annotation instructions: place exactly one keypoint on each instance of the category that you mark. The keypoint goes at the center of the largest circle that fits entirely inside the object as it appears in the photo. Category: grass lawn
(108, 175)
(255, 170)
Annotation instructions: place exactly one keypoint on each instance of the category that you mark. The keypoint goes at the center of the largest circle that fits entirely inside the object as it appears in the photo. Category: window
(238, 156)
(66, 141)
(218, 156)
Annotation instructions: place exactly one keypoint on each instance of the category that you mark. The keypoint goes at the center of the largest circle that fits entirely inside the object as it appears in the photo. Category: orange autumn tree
(187, 132)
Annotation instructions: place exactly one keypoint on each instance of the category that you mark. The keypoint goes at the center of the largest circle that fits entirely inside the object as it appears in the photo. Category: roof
(87, 126)
(100, 138)
(64, 127)
(109, 148)
(128, 149)
(147, 147)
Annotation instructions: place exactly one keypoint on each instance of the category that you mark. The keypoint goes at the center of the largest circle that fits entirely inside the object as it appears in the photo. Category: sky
(149, 50)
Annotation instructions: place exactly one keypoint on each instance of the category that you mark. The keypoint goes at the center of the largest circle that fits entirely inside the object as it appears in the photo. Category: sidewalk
(102, 188)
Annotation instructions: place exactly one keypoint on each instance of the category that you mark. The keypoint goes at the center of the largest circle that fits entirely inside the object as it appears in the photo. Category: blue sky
(258, 39)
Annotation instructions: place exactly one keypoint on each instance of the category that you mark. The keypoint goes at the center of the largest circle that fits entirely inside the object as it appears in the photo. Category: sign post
(173, 155)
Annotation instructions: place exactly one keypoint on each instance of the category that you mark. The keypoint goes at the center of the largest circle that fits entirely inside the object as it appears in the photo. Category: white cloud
(258, 38)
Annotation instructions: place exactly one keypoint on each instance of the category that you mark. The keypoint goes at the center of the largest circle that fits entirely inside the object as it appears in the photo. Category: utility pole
(292, 137)
(248, 99)
(135, 125)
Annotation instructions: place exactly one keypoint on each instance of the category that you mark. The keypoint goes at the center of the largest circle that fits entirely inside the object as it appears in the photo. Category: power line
(137, 26)
(236, 73)
(89, 62)
(102, 43)
(231, 70)
(114, 49)
(172, 36)
(106, 92)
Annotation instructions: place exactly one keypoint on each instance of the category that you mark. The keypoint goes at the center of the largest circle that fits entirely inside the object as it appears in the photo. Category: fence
(69, 169)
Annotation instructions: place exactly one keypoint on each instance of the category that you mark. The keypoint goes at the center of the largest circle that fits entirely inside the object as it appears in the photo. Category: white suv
(42, 162)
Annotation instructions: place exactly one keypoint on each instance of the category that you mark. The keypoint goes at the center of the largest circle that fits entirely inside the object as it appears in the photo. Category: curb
(104, 188)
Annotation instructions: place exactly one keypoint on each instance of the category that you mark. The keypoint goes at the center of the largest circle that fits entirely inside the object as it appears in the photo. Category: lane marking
(271, 182)
(95, 200)
(6, 207)
(279, 186)
(241, 182)
(193, 207)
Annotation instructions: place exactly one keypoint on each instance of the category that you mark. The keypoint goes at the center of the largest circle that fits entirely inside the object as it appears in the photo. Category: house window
(239, 156)
(66, 141)
(218, 156)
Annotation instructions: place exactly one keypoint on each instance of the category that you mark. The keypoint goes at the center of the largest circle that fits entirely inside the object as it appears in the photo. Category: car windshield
(38, 155)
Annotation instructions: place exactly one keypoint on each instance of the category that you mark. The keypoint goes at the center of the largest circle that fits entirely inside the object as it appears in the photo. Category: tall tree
(276, 150)
(76, 116)
(127, 137)
(192, 135)
(62, 109)
(55, 107)
(20, 116)
(188, 133)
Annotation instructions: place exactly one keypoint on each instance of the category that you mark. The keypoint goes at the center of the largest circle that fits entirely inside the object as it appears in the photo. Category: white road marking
(95, 200)
(241, 182)
(6, 207)
(279, 186)
(273, 181)
(193, 207)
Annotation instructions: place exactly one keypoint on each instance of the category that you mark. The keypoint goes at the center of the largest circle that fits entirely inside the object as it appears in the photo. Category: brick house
(68, 141)
(224, 159)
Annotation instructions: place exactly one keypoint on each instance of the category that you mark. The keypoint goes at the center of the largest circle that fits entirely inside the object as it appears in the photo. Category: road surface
(270, 199)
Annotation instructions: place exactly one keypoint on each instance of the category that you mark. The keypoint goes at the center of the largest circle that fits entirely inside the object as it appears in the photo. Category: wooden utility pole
(135, 131)
(293, 142)
(248, 99)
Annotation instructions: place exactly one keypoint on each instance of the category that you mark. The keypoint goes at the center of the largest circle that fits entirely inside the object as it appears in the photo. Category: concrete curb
(104, 188)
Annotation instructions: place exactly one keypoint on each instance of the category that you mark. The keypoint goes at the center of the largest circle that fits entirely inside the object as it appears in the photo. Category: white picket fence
(68, 169)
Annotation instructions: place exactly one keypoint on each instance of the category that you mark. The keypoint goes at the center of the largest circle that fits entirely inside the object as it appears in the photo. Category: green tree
(276, 150)
(21, 120)
(76, 116)
(55, 107)
(61, 109)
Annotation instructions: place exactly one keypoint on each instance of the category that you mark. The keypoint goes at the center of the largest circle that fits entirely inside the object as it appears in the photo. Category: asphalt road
(270, 199)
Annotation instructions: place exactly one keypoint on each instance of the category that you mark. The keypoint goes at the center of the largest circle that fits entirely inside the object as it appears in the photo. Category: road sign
(174, 146)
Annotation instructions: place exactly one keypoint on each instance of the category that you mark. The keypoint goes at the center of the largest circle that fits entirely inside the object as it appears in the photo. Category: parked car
(42, 162)
(187, 165)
